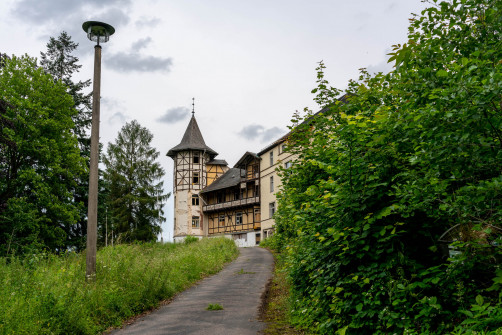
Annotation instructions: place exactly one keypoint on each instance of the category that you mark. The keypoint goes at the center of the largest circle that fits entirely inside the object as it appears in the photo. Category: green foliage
(47, 294)
(39, 159)
(133, 174)
(61, 64)
(190, 239)
(214, 307)
(389, 167)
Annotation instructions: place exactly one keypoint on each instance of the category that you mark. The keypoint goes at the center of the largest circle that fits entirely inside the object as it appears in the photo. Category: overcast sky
(249, 64)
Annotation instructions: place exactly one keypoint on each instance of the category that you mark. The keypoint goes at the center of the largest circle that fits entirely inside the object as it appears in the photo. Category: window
(271, 158)
(283, 148)
(257, 216)
(236, 194)
(272, 184)
(221, 221)
(219, 198)
(195, 200)
(271, 209)
(196, 157)
(195, 222)
(195, 178)
(287, 165)
(238, 218)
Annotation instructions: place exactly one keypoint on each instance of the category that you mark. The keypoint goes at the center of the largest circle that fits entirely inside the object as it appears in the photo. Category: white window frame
(271, 209)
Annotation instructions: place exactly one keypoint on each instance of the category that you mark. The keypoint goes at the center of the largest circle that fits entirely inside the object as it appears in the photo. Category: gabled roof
(230, 178)
(192, 140)
(217, 162)
(248, 156)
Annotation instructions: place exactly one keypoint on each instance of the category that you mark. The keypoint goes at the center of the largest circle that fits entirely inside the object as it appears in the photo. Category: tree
(39, 159)
(383, 173)
(135, 190)
(61, 64)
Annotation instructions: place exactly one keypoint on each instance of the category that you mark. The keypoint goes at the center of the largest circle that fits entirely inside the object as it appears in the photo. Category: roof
(218, 162)
(192, 140)
(230, 178)
(246, 158)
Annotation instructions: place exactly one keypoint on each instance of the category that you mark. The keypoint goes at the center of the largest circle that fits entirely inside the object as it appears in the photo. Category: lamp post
(98, 32)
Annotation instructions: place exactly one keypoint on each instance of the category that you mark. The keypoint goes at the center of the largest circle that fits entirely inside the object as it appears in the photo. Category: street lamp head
(98, 31)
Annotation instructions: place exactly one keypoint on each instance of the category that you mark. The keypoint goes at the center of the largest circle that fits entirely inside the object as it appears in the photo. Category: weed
(242, 272)
(214, 307)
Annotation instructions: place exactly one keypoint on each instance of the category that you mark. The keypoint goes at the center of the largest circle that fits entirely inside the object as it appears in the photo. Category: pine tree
(133, 175)
(61, 64)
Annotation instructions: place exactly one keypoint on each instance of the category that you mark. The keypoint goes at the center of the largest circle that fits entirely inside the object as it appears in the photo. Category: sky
(249, 64)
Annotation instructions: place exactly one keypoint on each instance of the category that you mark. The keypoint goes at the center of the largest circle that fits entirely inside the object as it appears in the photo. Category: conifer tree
(133, 175)
(61, 64)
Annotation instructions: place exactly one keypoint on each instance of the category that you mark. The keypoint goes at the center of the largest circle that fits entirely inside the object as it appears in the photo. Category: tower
(190, 176)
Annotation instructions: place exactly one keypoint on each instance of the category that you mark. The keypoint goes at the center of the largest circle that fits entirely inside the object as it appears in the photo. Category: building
(211, 199)
(272, 157)
(194, 169)
(231, 204)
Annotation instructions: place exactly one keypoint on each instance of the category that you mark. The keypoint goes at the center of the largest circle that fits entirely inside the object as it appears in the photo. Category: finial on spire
(193, 107)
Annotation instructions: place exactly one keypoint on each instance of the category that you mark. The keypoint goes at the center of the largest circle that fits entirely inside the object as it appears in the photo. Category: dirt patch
(275, 305)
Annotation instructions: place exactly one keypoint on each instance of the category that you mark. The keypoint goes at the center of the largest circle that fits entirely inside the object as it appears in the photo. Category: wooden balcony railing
(230, 204)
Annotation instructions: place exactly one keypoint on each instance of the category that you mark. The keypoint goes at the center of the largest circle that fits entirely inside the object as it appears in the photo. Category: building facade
(194, 169)
(211, 199)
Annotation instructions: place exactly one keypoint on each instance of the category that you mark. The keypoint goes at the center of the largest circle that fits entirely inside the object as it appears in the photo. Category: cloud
(173, 115)
(259, 132)
(147, 22)
(130, 62)
(141, 43)
(272, 134)
(382, 66)
(251, 132)
(117, 117)
(39, 11)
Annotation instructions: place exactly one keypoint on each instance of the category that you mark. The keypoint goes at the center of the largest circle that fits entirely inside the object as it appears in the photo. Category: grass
(214, 307)
(277, 303)
(242, 272)
(47, 294)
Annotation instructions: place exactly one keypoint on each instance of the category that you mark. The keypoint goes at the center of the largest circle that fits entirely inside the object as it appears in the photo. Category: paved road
(238, 288)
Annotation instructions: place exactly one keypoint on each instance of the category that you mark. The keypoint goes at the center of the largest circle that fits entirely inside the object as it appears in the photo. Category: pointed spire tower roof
(192, 140)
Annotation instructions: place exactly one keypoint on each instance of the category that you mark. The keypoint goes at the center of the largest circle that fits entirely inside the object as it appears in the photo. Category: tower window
(196, 157)
(195, 222)
(195, 200)
(195, 178)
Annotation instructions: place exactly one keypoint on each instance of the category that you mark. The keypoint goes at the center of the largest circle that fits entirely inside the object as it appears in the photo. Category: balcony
(231, 204)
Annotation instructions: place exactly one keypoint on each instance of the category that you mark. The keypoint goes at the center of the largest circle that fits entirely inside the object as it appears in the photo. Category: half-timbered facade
(192, 161)
(232, 202)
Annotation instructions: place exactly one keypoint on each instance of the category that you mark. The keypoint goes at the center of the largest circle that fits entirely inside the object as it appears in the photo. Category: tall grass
(47, 294)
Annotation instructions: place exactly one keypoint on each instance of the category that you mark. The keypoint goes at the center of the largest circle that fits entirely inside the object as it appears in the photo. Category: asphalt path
(238, 288)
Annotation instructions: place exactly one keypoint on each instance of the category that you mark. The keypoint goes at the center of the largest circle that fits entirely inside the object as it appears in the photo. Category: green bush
(388, 168)
(48, 294)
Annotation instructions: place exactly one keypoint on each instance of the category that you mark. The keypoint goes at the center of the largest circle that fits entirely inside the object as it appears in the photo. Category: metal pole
(92, 214)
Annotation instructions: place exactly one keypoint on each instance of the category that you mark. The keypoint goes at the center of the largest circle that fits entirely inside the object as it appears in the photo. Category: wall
(266, 171)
